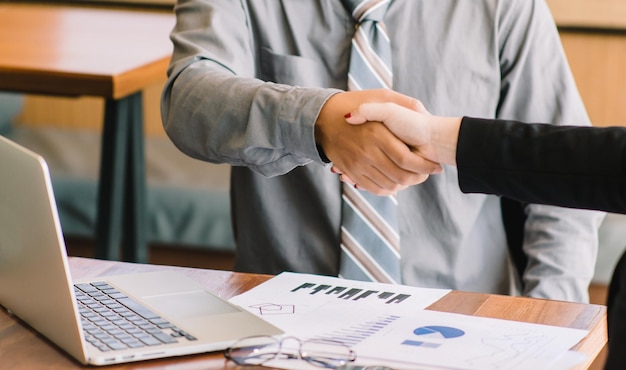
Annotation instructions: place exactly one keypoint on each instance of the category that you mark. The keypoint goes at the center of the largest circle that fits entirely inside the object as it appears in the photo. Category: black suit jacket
(569, 166)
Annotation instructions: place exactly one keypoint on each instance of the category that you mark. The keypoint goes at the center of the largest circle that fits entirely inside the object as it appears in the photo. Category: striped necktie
(370, 243)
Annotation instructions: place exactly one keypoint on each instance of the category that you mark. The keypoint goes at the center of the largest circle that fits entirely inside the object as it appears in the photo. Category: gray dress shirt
(248, 79)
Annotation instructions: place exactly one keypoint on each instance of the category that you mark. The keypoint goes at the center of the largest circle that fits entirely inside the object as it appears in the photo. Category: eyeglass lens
(253, 350)
(326, 354)
(258, 350)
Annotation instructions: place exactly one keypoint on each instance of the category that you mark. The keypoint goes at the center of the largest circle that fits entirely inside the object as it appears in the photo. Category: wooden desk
(21, 348)
(101, 52)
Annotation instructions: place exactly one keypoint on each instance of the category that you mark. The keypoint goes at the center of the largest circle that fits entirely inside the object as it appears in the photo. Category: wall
(589, 13)
(594, 37)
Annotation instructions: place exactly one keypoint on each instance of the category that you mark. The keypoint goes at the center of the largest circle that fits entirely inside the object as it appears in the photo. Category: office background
(593, 33)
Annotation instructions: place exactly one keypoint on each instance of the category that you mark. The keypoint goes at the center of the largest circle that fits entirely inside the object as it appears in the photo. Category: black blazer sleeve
(569, 166)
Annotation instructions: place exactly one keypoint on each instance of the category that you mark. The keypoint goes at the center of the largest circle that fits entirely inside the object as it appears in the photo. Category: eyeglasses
(258, 350)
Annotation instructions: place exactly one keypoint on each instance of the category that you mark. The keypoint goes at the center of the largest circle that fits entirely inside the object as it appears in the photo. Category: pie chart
(439, 331)
(433, 336)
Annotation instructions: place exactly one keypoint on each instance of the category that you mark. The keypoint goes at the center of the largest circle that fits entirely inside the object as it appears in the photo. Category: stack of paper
(387, 325)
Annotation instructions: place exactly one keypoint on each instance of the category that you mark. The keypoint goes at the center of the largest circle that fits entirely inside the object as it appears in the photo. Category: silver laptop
(147, 315)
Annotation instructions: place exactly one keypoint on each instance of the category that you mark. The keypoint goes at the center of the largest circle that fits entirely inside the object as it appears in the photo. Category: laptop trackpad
(189, 305)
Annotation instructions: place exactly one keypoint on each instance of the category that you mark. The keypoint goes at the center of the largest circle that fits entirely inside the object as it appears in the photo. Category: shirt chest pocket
(294, 70)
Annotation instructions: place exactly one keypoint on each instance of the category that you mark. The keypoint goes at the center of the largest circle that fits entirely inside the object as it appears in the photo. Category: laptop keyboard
(113, 321)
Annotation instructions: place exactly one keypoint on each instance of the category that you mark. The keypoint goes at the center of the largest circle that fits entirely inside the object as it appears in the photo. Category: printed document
(386, 324)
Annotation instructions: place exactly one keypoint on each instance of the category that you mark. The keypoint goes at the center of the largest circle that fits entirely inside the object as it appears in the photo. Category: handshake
(389, 145)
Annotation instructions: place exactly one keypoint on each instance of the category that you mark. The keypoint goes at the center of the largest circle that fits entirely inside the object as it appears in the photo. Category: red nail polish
(348, 115)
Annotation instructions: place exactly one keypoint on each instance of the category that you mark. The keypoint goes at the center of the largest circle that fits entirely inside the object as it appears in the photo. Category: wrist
(322, 154)
(324, 131)
(444, 138)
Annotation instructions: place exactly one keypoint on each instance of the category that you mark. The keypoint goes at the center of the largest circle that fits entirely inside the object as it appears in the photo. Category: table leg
(122, 186)
(134, 244)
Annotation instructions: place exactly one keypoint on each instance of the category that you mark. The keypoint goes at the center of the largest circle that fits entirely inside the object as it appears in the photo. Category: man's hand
(369, 154)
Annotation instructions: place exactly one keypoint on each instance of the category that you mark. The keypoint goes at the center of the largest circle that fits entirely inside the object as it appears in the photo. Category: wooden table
(22, 348)
(102, 52)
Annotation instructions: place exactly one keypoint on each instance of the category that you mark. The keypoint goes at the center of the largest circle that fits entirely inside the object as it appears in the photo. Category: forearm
(577, 167)
(218, 117)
